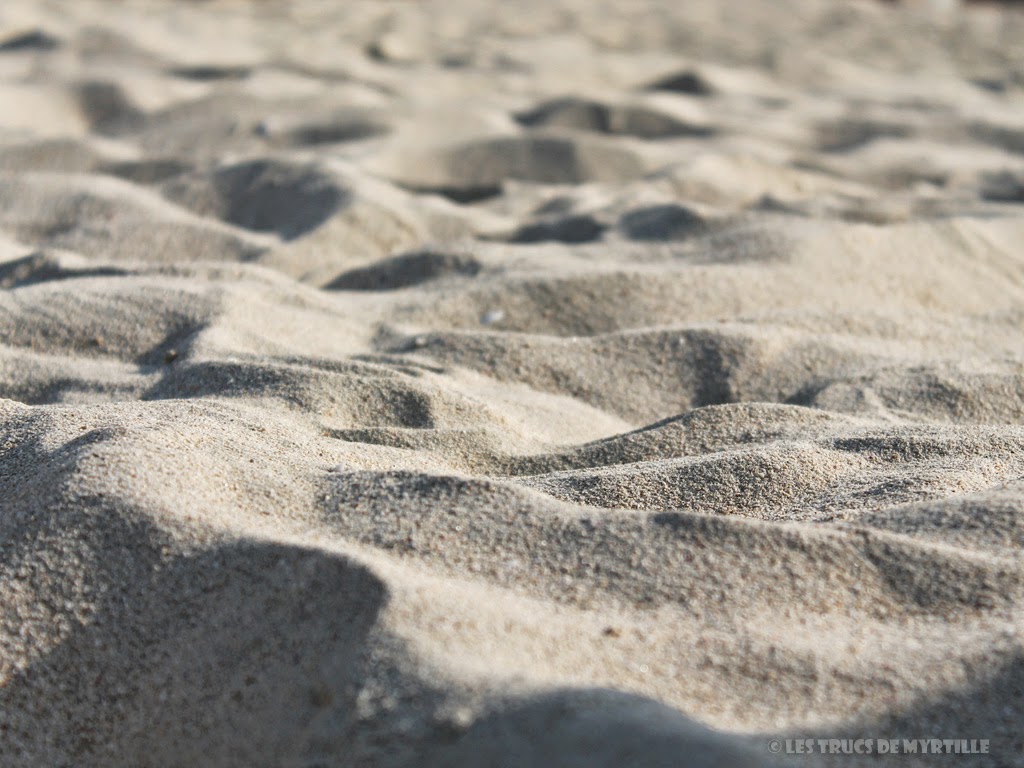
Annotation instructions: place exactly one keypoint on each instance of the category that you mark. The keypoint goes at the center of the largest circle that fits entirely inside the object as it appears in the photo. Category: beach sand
(556, 383)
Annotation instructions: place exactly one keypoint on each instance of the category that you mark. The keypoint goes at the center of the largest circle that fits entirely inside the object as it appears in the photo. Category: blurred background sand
(549, 383)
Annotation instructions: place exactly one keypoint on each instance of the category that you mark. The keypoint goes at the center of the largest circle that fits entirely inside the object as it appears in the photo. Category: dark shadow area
(206, 73)
(597, 728)
(326, 132)
(34, 40)
(466, 195)
(623, 120)
(1000, 136)
(687, 82)
(661, 222)
(569, 112)
(286, 198)
(1002, 187)
(173, 654)
(42, 267)
(405, 270)
(580, 228)
(266, 196)
(107, 108)
(543, 159)
(146, 171)
(991, 708)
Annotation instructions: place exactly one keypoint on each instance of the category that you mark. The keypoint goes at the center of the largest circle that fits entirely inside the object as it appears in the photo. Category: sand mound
(645, 122)
(475, 170)
(454, 384)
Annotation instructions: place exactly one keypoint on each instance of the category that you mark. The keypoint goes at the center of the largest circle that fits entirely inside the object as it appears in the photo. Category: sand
(555, 383)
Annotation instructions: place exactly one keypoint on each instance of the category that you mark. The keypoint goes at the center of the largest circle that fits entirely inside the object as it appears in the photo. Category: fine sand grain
(547, 383)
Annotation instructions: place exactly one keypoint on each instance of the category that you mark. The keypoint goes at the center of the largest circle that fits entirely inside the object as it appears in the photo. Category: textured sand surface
(556, 383)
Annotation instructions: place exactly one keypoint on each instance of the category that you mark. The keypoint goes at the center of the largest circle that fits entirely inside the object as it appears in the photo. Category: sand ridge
(551, 383)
